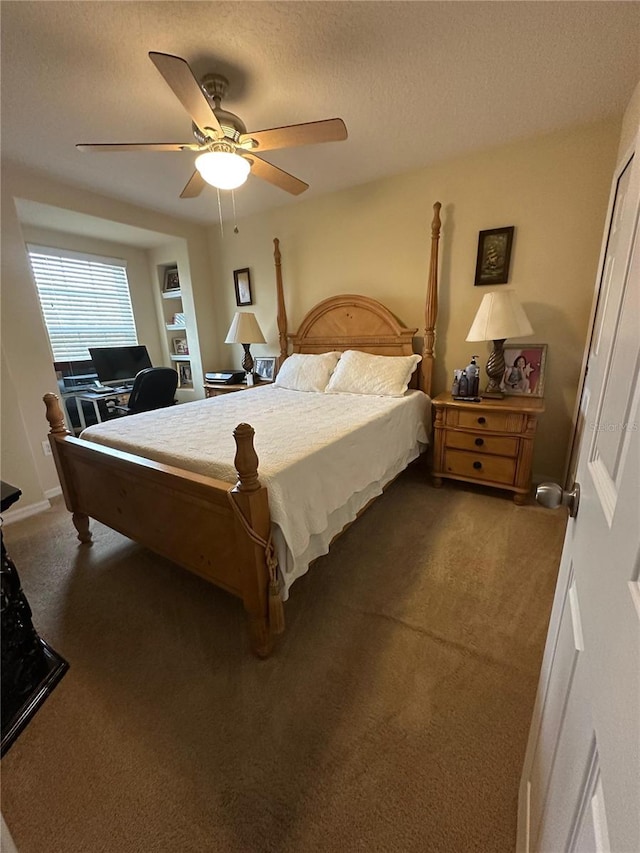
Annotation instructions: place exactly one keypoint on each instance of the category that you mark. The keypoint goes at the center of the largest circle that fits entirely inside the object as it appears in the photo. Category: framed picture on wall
(242, 282)
(494, 256)
(524, 371)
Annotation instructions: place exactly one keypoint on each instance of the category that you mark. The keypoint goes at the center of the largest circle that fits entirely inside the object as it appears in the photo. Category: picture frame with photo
(185, 375)
(494, 255)
(180, 346)
(178, 319)
(265, 368)
(171, 279)
(524, 373)
(242, 283)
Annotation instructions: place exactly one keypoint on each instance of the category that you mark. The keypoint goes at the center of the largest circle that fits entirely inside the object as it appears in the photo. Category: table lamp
(245, 330)
(500, 316)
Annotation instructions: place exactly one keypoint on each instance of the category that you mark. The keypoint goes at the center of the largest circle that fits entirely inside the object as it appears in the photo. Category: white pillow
(381, 375)
(302, 372)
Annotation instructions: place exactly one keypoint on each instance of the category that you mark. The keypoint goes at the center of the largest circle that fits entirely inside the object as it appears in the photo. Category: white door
(580, 788)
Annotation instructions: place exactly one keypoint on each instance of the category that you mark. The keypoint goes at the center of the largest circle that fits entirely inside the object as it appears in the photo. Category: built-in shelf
(172, 294)
(180, 357)
(171, 327)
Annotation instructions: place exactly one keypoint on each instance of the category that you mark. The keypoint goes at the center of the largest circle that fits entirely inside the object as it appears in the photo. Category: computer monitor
(115, 365)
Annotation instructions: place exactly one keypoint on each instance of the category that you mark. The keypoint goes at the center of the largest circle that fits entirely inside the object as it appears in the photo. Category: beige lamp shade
(499, 316)
(244, 330)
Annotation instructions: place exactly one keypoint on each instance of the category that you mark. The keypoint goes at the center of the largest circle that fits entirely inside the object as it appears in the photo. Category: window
(85, 301)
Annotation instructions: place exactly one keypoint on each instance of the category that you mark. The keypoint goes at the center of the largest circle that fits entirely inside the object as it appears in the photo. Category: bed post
(431, 306)
(251, 500)
(282, 311)
(59, 431)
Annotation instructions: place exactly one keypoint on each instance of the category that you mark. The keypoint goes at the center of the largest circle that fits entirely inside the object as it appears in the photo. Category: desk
(119, 398)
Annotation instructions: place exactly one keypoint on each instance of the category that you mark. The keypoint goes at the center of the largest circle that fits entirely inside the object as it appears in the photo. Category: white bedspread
(322, 456)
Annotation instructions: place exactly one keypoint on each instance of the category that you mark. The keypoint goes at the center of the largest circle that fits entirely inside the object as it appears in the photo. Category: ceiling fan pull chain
(220, 214)
(235, 218)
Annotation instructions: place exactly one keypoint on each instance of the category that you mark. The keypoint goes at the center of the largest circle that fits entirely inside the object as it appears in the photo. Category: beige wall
(374, 240)
(630, 123)
(25, 346)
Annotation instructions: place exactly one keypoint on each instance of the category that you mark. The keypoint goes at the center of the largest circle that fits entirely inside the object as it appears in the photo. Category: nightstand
(216, 389)
(490, 443)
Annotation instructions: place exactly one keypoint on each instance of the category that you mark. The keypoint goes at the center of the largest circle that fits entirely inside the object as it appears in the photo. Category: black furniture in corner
(154, 388)
(30, 667)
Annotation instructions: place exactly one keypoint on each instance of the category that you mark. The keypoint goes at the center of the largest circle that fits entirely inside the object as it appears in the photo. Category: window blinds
(85, 301)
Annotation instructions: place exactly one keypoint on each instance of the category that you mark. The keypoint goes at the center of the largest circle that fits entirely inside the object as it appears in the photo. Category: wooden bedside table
(215, 389)
(489, 442)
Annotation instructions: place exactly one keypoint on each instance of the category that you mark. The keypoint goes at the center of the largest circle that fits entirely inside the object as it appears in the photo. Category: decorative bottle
(473, 377)
(455, 388)
(463, 385)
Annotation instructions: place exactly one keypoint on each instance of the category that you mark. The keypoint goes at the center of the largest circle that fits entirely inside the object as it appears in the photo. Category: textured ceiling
(415, 83)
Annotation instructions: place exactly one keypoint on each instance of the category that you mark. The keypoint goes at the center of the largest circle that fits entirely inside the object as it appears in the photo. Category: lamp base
(247, 359)
(495, 371)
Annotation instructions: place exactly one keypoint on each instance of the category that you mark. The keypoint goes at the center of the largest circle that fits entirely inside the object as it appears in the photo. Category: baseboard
(19, 512)
(53, 493)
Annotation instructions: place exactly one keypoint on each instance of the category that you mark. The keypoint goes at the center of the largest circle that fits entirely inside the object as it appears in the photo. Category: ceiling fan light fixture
(223, 169)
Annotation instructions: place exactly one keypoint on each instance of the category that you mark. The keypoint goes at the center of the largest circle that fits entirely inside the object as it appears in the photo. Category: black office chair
(153, 388)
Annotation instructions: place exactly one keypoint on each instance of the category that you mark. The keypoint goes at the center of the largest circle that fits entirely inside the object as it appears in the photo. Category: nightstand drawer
(485, 420)
(496, 469)
(501, 446)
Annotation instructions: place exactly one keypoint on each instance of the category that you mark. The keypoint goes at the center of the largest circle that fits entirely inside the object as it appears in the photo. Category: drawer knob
(479, 442)
(482, 420)
(477, 465)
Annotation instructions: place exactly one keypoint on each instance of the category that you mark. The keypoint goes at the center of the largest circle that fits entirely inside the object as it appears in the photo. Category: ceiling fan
(226, 151)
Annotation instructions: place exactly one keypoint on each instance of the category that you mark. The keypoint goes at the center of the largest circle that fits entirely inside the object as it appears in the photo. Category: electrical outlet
(46, 448)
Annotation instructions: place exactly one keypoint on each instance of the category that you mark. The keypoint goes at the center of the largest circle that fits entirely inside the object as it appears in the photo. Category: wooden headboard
(359, 322)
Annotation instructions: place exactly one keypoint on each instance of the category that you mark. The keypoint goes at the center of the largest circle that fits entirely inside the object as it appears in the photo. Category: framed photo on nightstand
(524, 371)
(265, 367)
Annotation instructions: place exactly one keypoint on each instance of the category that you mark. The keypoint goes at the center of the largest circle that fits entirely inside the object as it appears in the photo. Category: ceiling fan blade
(194, 186)
(185, 87)
(329, 130)
(274, 175)
(138, 146)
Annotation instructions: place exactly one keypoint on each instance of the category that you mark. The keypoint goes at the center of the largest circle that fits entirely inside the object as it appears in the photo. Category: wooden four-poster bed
(219, 531)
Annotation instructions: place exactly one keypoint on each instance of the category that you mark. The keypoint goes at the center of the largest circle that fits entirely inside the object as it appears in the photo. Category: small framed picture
(524, 370)
(171, 280)
(242, 282)
(180, 346)
(494, 256)
(265, 367)
(185, 377)
(178, 319)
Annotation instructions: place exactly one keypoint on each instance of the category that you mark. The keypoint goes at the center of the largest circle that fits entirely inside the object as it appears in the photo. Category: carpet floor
(393, 715)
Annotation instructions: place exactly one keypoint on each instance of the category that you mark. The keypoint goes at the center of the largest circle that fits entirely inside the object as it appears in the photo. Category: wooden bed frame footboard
(188, 518)
(217, 530)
